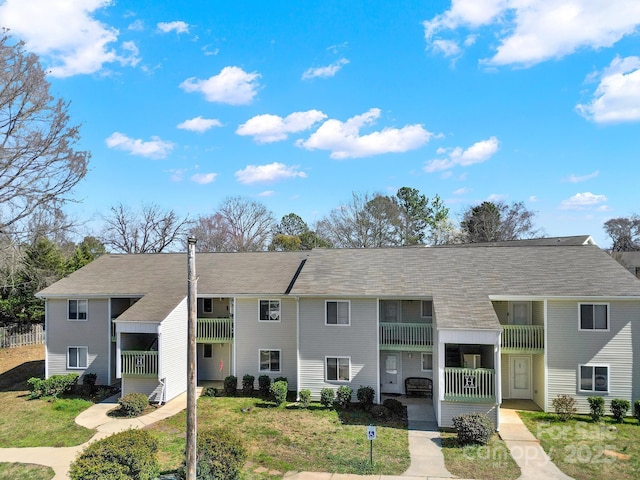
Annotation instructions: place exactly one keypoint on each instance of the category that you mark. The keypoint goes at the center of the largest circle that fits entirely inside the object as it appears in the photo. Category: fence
(21, 335)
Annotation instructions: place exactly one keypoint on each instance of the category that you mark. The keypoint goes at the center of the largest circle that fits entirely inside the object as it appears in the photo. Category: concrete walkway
(525, 449)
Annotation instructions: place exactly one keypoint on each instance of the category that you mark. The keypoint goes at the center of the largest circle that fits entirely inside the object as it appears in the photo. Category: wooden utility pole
(191, 360)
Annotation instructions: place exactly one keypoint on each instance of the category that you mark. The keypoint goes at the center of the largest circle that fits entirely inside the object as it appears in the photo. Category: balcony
(406, 336)
(522, 339)
(469, 385)
(139, 363)
(215, 330)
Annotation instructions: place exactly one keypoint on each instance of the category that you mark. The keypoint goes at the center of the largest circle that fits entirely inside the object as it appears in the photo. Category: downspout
(46, 338)
(545, 356)
(378, 382)
(498, 379)
(298, 344)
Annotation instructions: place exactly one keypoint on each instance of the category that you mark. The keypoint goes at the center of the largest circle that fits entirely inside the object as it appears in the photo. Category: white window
(77, 310)
(427, 309)
(337, 312)
(594, 378)
(77, 357)
(427, 362)
(269, 360)
(338, 369)
(594, 316)
(269, 311)
(207, 305)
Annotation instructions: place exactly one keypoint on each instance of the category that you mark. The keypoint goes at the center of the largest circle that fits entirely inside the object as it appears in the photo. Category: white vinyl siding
(451, 409)
(269, 310)
(77, 357)
(78, 310)
(172, 351)
(338, 312)
(151, 387)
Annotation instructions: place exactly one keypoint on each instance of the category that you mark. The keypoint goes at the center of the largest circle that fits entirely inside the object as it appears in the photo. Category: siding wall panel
(173, 351)
(451, 409)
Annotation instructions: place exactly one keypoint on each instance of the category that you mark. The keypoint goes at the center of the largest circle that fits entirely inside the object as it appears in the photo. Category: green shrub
(264, 384)
(279, 392)
(211, 392)
(220, 456)
(366, 396)
(394, 406)
(305, 397)
(53, 386)
(565, 407)
(380, 412)
(619, 409)
(230, 386)
(247, 384)
(128, 455)
(343, 396)
(89, 380)
(133, 404)
(281, 379)
(596, 407)
(327, 396)
(636, 409)
(473, 428)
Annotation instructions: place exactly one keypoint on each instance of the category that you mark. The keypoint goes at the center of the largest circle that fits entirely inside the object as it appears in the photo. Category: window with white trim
(427, 362)
(426, 309)
(594, 316)
(594, 378)
(338, 369)
(337, 312)
(207, 305)
(269, 311)
(77, 309)
(269, 360)
(77, 357)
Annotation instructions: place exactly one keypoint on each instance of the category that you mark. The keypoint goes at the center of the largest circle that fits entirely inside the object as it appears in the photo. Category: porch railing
(139, 363)
(469, 385)
(215, 330)
(406, 336)
(522, 338)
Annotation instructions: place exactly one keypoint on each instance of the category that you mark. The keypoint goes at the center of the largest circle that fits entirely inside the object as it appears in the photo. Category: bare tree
(212, 234)
(249, 224)
(39, 164)
(498, 221)
(624, 233)
(150, 230)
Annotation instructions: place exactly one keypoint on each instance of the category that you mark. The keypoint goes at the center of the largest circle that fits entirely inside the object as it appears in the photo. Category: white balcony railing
(469, 384)
(522, 338)
(215, 330)
(140, 363)
(406, 336)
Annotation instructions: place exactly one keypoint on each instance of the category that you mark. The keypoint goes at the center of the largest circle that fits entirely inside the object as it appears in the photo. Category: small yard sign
(371, 432)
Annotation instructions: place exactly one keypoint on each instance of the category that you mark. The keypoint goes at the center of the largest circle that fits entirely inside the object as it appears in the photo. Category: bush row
(53, 386)
(565, 408)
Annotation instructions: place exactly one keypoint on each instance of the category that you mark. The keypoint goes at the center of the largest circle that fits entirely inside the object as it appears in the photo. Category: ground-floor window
(77, 357)
(427, 362)
(208, 350)
(269, 360)
(338, 369)
(594, 378)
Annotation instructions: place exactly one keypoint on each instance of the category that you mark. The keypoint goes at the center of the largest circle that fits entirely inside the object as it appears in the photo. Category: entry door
(520, 314)
(391, 373)
(520, 369)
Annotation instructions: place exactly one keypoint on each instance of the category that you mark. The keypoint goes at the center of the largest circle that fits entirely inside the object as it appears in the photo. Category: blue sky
(298, 104)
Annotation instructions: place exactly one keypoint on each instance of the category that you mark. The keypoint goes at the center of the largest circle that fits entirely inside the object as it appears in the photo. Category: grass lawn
(312, 439)
(586, 450)
(24, 471)
(41, 423)
(482, 462)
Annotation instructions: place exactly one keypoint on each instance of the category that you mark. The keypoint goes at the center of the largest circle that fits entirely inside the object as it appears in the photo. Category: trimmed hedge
(305, 397)
(53, 386)
(473, 428)
(247, 384)
(327, 395)
(619, 409)
(596, 408)
(133, 404)
(230, 386)
(394, 406)
(636, 409)
(264, 384)
(279, 392)
(565, 407)
(220, 456)
(343, 396)
(366, 396)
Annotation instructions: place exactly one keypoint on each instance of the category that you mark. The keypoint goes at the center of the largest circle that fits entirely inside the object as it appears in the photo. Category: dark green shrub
(380, 412)
(220, 456)
(133, 404)
(247, 384)
(281, 379)
(211, 392)
(128, 455)
(343, 396)
(619, 409)
(53, 386)
(327, 396)
(264, 384)
(394, 406)
(279, 392)
(636, 409)
(230, 386)
(89, 380)
(473, 428)
(305, 397)
(366, 396)
(565, 407)
(596, 407)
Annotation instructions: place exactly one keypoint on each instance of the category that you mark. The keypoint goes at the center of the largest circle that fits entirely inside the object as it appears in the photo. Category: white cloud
(268, 173)
(343, 139)
(155, 148)
(325, 72)
(273, 128)
(177, 26)
(533, 31)
(617, 98)
(232, 86)
(582, 201)
(65, 34)
(477, 153)
(203, 178)
(461, 191)
(199, 124)
(136, 25)
(533, 199)
(496, 197)
(267, 193)
(582, 178)
(448, 48)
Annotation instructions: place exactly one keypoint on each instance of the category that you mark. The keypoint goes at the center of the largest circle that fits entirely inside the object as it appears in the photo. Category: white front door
(520, 370)
(391, 373)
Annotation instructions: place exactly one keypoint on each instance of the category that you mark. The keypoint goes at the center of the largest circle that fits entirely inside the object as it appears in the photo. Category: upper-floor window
(77, 310)
(594, 378)
(427, 309)
(594, 316)
(77, 357)
(337, 312)
(269, 311)
(207, 305)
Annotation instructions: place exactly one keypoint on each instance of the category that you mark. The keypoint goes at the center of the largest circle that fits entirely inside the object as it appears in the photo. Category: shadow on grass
(15, 379)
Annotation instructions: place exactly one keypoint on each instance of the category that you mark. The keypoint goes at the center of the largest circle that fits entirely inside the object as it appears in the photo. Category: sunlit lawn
(22, 471)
